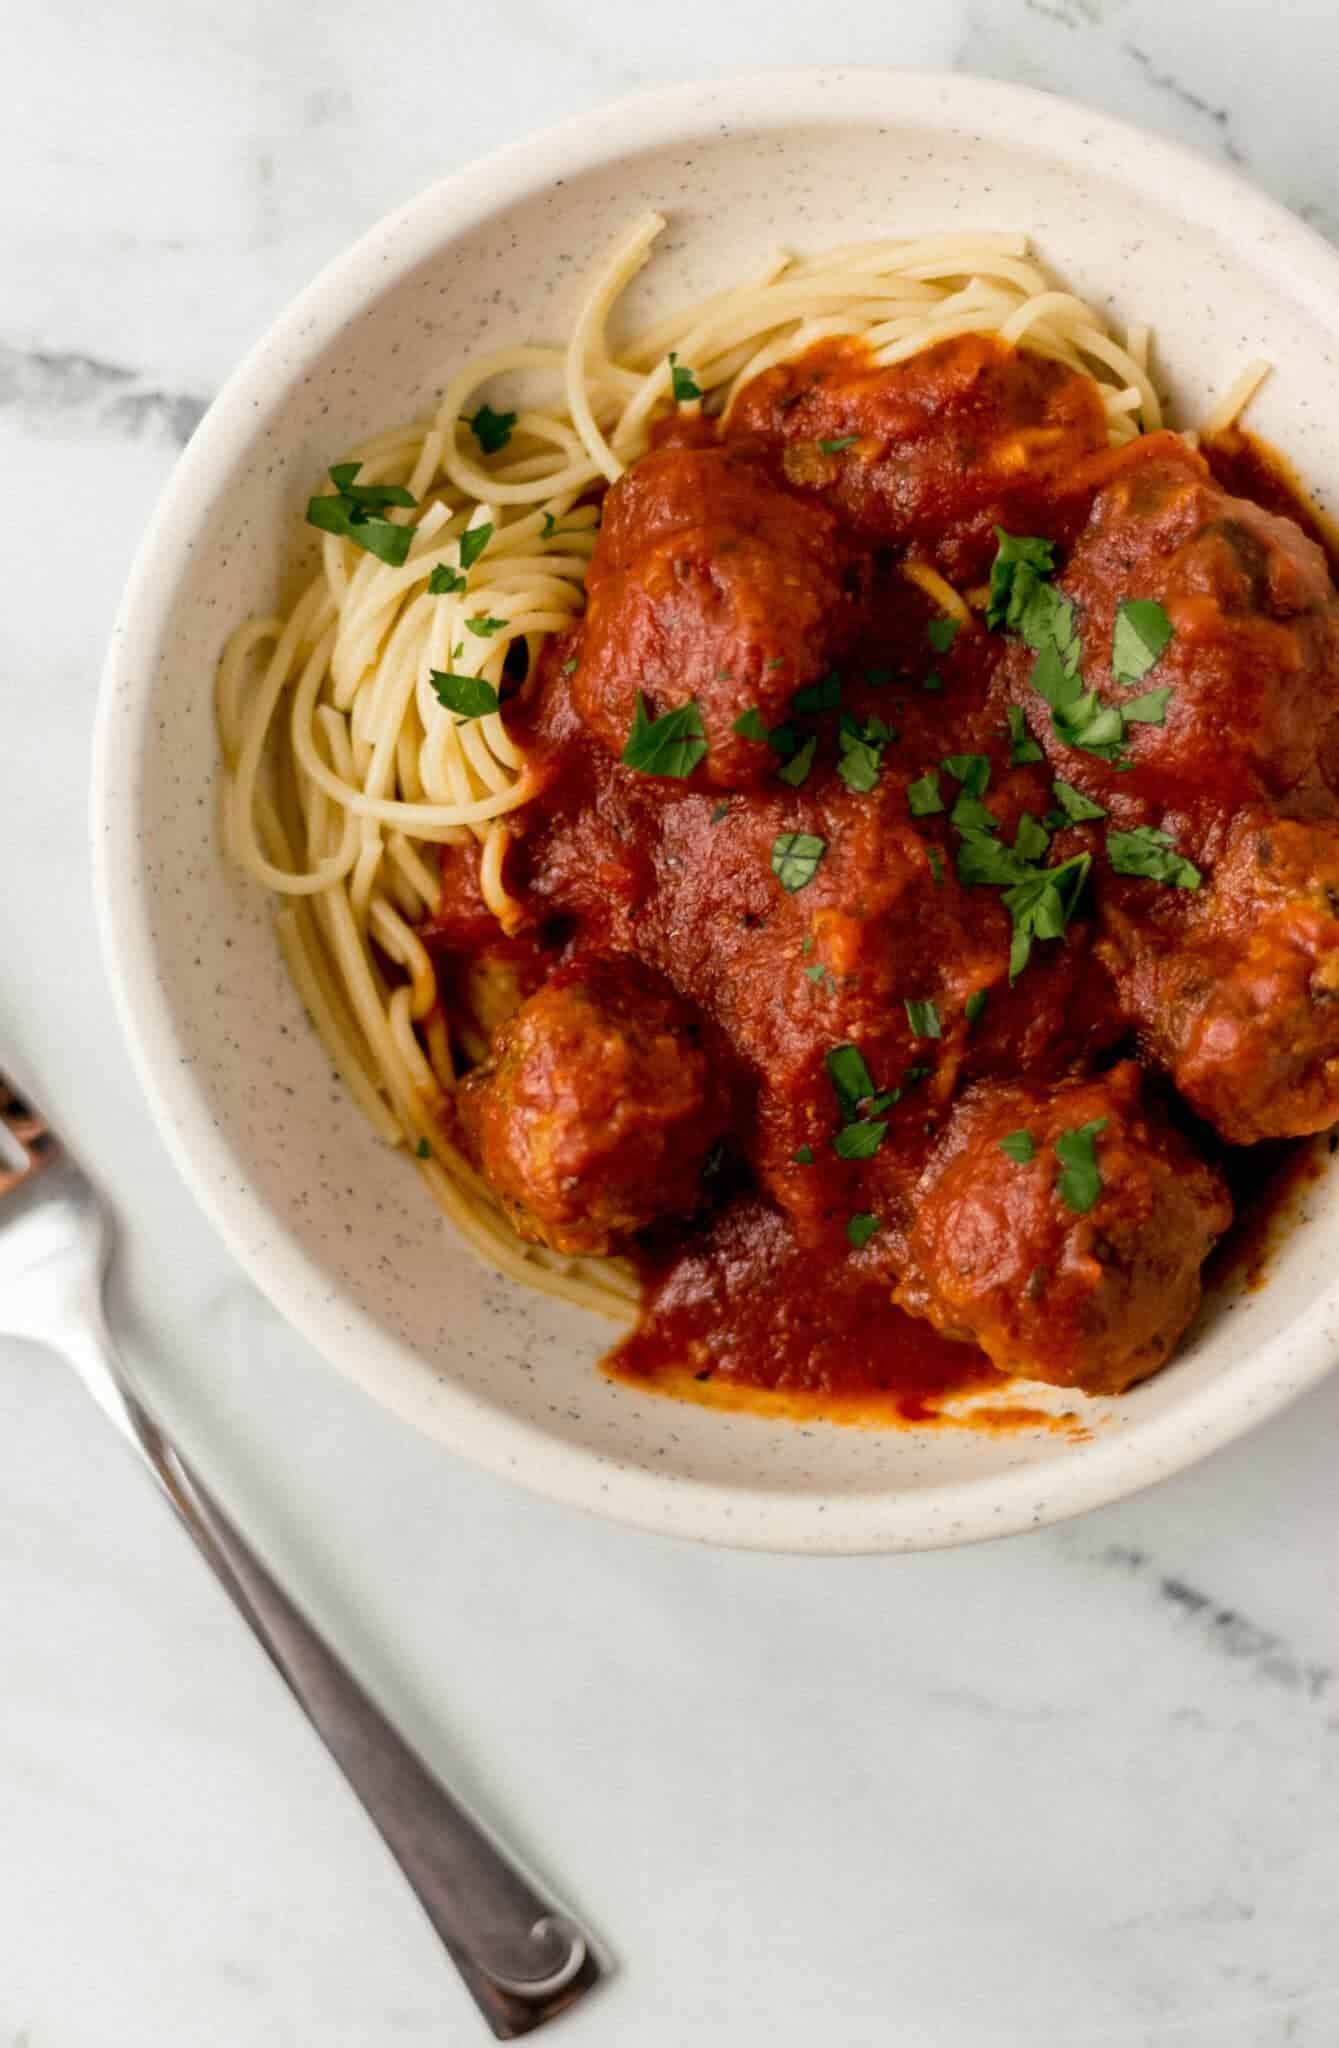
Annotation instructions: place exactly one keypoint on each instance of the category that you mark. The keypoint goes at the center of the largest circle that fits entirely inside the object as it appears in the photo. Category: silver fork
(523, 1960)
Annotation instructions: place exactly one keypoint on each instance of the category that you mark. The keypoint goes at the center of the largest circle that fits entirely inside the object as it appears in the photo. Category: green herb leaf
(467, 696)
(1152, 854)
(473, 542)
(860, 1140)
(1020, 1146)
(861, 761)
(860, 1229)
(423, 1150)
(804, 1156)
(1073, 804)
(824, 695)
(797, 768)
(444, 580)
(570, 665)
(484, 625)
(372, 497)
(795, 858)
(1022, 747)
(1081, 1182)
(975, 1007)
(936, 859)
(850, 1077)
(749, 725)
(1031, 838)
(670, 745)
(923, 798)
(492, 430)
(1140, 637)
(932, 681)
(342, 515)
(1150, 709)
(835, 447)
(1013, 551)
(941, 634)
(969, 814)
(923, 1017)
(720, 810)
(684, 384)
(971, 770)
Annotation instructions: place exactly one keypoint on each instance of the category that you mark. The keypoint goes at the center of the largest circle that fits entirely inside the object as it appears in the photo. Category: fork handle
(522, 1960)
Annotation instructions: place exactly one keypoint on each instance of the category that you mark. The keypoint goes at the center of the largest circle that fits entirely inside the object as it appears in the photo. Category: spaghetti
(346, 765)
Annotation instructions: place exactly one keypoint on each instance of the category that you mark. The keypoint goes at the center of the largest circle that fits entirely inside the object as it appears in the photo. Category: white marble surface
(1080, 1788)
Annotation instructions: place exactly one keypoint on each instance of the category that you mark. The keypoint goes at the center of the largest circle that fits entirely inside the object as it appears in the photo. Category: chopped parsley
(975, 1006)
(1024, 601)
(551, 528)
(795, 858)
(859, 1140)
(570, 666)
(824, 695)
(423, 1150)
(850, 1077)
(862, 748)
(1072, 807)
(923, 798)
(1020, 1146)
(467, 696)
(797, 768)
(1150, 709)
(1152, 854)
(485, 625)
(473, 542)
(1139, 639)
(782, 739)
(936, 860)
(1031, 838)
(835, 447)
(923, 1017)
(860, 1229)
(1080, 1183)
(444, 580)
(804, 1156)
(720, 810)
(1022, 747)
(971, 770)
(932, 681)
(1017, 558)
(670, 745)
(492, 430)
(941, 634)
(684, 384)
(356, 513)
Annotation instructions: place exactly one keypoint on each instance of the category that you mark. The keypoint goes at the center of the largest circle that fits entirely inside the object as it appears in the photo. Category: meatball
(939, 449)
(1241, 1003)
(710, 584)
(1063, 1230)
(596, 1111)
(1252, 665)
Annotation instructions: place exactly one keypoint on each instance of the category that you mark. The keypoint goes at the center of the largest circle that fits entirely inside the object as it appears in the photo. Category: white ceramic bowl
(333, 1227)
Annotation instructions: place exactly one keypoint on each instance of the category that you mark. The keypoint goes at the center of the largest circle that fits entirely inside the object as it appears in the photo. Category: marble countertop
(1079, 1788)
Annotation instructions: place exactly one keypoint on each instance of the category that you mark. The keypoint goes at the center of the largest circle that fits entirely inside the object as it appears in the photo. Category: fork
(522, 1959)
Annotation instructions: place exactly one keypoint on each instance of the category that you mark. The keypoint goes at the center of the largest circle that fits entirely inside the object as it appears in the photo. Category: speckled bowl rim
(1001, 1503)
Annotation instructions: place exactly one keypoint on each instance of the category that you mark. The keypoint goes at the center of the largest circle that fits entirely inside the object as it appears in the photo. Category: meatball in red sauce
(1063, 1230)
(711, 585)
(596, 1111)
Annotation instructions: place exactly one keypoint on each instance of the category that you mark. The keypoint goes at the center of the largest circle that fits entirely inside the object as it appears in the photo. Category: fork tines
(26, 1143)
